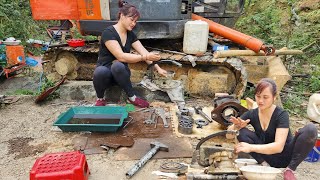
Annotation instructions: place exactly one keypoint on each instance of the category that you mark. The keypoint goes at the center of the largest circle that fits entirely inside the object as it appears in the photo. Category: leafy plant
(77, 35)
(249, 92)
(46, 85)
(292, 103)
(16, 21)
(315, 83)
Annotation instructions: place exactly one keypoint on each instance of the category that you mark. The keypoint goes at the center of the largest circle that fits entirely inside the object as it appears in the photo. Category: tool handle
(142, 161)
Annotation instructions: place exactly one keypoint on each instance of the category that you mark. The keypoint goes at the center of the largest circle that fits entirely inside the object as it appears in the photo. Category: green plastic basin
(94, 119)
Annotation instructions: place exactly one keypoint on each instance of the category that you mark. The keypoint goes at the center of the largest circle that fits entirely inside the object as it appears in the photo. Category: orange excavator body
(65, 9)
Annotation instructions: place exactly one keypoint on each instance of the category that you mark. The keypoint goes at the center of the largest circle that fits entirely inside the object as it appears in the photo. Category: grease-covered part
(174, 167)
(200, 75)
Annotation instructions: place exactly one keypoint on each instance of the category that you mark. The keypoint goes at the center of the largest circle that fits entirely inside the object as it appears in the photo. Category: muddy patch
(21, 148)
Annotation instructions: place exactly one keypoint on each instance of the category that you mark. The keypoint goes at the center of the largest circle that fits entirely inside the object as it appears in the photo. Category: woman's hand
(239, 123)
(243, 147)
(161, 71)
(152, 57)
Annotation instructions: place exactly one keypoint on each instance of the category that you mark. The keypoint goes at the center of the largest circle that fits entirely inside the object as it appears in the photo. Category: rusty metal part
(221, 133)
(198, 110)
(223, 112)
(222, 163)
(82, 146)
(218, 100)
(185, 125)
(168, 51)
(99, 143)
(13, 70)
(155, 147)
(268, 50)
(150, 68)
(195, 176)
(114, 142)
(203, 161)
(174, 167)
(87, 57)
(219, 160)
(201, 122)
(48, 91)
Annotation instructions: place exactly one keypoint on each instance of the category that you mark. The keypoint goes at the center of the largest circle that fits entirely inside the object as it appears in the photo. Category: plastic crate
(56, 166)
(94, 119)
(313, 156)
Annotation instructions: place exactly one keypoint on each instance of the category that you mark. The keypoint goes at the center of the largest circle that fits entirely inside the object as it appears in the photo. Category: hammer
(199, 111)
(155, 147)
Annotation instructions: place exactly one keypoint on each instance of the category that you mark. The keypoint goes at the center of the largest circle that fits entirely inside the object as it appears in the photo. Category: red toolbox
(58, 166)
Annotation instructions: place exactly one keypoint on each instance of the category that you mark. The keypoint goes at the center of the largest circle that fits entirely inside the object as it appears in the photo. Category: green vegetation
(23, 92)
(77, 35)
(46, 84)
(287, 24)
(16, 21)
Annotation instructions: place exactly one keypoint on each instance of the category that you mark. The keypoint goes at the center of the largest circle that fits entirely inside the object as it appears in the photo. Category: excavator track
(201, 75)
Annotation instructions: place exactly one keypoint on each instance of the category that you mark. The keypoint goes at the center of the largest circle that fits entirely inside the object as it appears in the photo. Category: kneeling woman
(114, 56)
(272, 142)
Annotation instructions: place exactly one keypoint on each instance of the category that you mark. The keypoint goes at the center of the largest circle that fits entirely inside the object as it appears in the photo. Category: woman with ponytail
(271, 143)
(114, 56)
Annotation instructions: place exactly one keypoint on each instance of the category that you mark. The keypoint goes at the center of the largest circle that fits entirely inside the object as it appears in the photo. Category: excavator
(161, 29)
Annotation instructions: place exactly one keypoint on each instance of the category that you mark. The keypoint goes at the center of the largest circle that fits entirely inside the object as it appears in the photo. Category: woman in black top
(272, 143)
(114, 56)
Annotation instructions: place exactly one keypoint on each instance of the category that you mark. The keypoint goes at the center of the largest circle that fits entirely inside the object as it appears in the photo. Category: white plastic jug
(195, 40)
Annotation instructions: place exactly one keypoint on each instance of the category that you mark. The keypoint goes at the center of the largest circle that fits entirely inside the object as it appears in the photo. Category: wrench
(151, 119)
(160, 112)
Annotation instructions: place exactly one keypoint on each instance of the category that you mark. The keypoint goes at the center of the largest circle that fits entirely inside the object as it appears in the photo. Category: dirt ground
(27, 134)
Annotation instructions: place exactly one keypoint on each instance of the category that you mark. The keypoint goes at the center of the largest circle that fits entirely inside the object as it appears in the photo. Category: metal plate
(178, 148)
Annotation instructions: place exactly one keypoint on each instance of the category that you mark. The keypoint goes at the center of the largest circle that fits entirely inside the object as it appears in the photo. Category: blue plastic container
(94, 119)
(31, 62)
(313, 156)
(3, 58)
(219, 48)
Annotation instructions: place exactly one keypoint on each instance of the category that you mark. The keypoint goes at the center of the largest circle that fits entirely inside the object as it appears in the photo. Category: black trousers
(117, 74)
(293, 153)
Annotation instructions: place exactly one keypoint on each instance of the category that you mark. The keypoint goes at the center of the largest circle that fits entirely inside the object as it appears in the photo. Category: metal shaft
(205, 116)
(142, 161)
